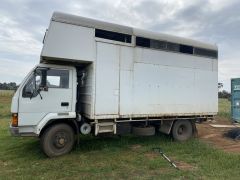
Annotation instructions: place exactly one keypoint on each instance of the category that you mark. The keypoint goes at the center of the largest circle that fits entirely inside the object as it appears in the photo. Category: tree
(224, 94)
(8, 86)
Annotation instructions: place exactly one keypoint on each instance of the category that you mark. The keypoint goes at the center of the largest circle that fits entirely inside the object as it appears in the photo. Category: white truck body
(124, 80)
(93, 73)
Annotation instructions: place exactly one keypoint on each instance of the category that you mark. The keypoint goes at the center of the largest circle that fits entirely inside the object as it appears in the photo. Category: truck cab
(48, 92)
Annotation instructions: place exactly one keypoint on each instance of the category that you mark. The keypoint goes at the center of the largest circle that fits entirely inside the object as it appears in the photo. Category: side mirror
(28, 92)
(43, 85)
(43, 82)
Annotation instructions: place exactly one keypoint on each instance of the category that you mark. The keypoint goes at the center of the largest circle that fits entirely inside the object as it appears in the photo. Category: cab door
(33, 105)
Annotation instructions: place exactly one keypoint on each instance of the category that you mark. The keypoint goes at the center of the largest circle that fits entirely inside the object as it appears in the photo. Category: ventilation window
(173, 47)
(143, 42)
(186, 49)
(113, 36)
(206, 53)
(158, 44)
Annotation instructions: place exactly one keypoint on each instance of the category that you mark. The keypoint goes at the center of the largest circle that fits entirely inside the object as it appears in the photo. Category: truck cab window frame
(58, 78)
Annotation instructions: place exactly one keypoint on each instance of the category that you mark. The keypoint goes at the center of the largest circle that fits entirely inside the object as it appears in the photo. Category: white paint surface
(66, 41)
(32, 111)
(107, 79)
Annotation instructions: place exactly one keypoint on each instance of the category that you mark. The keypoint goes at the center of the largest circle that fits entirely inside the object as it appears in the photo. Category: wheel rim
(181, 130)
(60, 140)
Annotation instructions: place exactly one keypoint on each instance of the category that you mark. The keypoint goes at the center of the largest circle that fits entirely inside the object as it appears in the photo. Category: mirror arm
(39, 90)
(31, 95)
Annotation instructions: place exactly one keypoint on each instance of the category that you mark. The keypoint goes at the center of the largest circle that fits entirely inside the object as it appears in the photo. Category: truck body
(101, 77)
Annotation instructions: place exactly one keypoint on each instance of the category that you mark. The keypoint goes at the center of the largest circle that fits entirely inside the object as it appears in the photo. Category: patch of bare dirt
(136, 147)
(151, 155)
(185, 166)
(215, 136)
(221, 120)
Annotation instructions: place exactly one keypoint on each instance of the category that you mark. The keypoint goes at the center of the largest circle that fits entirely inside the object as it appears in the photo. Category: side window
(57, 78)
(172, 47)
(206, 53)
(186, 49)
(126, 38)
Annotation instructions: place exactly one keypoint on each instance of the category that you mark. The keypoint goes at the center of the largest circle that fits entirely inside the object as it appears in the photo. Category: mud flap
(77, 131)
(166, 126)
(195, 131)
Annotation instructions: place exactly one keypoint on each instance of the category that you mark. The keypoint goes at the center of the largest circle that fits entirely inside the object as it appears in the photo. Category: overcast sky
(23, 24)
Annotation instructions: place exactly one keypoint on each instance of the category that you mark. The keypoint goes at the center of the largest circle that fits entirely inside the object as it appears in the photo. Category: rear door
(107, 79)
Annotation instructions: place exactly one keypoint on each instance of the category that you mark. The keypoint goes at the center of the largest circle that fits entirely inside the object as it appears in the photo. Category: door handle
(64, 104)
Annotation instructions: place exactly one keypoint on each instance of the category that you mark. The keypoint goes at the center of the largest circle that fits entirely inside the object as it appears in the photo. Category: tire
(143, 131)
(57, 140)
(182, 130)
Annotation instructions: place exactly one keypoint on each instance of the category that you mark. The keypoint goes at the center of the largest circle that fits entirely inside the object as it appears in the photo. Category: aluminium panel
(69, 42)
(126, 80)
(172, 90)
(107, 79)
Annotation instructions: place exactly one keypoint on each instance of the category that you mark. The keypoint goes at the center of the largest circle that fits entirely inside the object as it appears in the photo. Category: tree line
(224, 94)
(8, 86)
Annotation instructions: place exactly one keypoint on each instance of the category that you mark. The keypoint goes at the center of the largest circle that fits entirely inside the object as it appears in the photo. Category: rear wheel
(57, 140)
(182, 130)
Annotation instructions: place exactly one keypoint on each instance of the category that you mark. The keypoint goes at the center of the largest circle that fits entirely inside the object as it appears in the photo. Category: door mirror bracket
(43, 84)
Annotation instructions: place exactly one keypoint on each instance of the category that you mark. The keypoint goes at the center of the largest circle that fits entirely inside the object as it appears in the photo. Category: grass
(5, 103)
(6, 93)
(125, 157)
(224, 108)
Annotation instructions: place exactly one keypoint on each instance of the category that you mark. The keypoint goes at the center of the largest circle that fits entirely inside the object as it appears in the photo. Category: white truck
(98, 77)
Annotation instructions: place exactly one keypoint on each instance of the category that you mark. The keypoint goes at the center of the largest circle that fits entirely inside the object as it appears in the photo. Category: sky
(23, 24)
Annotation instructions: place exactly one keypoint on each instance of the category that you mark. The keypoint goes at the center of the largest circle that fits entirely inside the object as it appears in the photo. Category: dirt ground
(215, 136)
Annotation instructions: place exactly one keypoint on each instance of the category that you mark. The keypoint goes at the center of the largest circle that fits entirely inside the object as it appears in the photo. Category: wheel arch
(53, 118)
(70, 122)
(167, 125)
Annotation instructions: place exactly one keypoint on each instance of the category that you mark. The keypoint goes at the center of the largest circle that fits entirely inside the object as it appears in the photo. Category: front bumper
(24, 132)
(14, 131)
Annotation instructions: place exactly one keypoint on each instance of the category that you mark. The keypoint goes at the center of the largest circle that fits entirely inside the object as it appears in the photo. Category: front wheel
(182, 130)
(57, 140)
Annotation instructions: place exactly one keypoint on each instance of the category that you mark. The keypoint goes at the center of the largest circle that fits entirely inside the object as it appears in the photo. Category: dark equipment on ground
(165, 157)
(233, 134)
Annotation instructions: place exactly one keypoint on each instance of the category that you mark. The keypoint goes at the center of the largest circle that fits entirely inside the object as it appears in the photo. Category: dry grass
(224, 108)
(6, 93)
